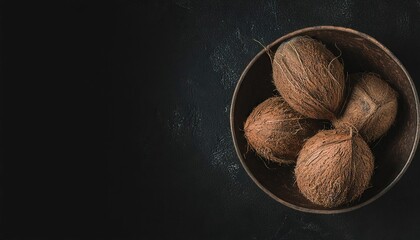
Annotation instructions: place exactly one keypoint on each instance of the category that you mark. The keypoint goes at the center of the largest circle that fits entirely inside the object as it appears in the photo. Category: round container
(360, 52)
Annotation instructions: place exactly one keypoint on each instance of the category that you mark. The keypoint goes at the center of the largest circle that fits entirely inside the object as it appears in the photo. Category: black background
(115, 119)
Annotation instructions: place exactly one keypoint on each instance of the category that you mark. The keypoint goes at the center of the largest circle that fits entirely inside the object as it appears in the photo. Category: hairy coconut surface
(277, 132)
(334, 167)
(309, 77)
(371, 108)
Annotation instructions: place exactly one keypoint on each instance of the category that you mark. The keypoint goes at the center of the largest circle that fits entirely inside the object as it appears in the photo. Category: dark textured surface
(116, 120)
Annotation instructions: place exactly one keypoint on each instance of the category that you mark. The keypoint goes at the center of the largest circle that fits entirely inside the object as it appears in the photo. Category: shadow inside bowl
(360, 52)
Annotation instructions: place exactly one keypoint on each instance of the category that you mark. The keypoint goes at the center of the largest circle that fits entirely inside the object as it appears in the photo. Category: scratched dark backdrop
(115, 119)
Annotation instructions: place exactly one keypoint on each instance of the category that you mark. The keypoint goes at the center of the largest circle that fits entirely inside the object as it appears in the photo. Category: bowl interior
(393, 152)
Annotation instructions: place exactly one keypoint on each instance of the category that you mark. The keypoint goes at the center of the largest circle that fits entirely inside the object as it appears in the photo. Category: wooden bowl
(360, 52)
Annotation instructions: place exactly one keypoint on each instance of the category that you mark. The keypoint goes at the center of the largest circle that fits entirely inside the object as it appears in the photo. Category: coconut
(309, 77)
(371, 108)
(334, 167)
(277, 132)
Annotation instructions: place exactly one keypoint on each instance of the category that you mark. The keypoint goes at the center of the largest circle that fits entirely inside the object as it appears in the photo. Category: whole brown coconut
(371, 108)
(334, 167)
(309, 77)
(277, 132)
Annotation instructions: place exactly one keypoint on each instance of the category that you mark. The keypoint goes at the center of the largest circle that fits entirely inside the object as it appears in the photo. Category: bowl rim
(297, 33)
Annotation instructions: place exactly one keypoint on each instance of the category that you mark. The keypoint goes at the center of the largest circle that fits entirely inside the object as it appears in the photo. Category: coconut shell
(277, 132)
(371, 108)
(309, 77)
(334, 167)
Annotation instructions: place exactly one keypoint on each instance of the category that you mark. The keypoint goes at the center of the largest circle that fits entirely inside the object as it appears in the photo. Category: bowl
(360, 52)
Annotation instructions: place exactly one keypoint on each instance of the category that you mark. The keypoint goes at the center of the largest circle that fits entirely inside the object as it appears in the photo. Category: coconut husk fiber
(309, 77)
(334, 167)
(277, 132)
(371, 108)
